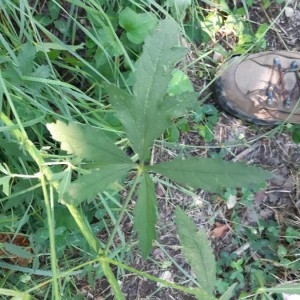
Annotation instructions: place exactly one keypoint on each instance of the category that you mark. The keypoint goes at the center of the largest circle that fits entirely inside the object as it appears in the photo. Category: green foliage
(232, 20)
(265, 241)
(87, 186)
(211, 174)
(145, 215)
(229, 292)
(178, 8)
(153, 98)
(81, 72)
(5, 182)
(152, 76)
(197, 251)
(87, 143)
(206, 117)
(137, 25)
(179, 83)
(288, 288)
(294, 129)
(210, 26)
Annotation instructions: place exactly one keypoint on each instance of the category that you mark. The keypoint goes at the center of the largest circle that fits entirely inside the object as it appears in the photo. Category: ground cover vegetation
(89, 91)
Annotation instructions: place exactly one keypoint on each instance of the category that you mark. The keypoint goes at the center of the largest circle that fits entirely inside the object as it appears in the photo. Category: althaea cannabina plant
(145, 113)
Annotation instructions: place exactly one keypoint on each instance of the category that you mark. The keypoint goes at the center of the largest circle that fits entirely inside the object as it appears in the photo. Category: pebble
(289, 12)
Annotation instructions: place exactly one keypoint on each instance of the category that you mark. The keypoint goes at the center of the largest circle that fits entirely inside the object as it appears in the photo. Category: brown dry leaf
(220, 230)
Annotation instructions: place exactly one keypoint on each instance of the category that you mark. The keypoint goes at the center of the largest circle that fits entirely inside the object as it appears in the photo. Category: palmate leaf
(87, 143)
(143, 114)
(89, 185)
(145, 215)
(210, 174)
(197, 251)
(124, 107)
(176, 106)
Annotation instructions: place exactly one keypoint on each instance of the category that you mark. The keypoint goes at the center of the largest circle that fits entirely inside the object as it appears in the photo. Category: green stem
(51, 228)
(121, 215)
(188, 290)
(85, 229)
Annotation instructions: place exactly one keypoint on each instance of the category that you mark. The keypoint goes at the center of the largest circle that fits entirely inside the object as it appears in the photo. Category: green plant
(102, 163)
(294, 129)
(204, 25)
(69, 206)
(96, 162)
(205, 118)
(199, 255)
(136, 112)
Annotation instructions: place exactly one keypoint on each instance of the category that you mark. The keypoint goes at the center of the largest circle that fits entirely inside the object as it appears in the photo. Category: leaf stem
(50, 220)
(121, 215)
(188, 290)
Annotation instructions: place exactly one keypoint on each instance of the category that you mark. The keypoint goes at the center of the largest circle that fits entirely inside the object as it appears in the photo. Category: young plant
(145, 113)
(96, 163)
(206, 117)
(295, 132)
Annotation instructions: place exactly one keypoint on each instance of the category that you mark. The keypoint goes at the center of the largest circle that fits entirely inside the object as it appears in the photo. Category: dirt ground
(268, 147)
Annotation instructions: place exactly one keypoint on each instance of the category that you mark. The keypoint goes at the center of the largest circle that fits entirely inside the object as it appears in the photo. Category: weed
(294, 129)
(207, 115)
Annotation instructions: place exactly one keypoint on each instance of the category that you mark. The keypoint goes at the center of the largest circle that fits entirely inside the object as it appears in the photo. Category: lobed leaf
(124, 106)
(143, 114)
(197, 251)
(89, 185)
(87, 143)
(210, 174)
(145, 215)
